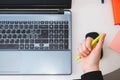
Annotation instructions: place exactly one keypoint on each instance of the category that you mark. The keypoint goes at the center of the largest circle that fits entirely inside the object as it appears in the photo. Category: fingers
(85, 48)
(81, 52)
(88, 42)
(101, 41)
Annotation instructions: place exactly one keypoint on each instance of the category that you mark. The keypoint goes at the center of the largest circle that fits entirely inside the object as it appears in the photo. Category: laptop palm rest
(35, 62)
(9, 63)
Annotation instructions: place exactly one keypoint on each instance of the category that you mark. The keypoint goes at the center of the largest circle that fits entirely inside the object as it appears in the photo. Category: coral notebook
(115, 44)
(116, 11)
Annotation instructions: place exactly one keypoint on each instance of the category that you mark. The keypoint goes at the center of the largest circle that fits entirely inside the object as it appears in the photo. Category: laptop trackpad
(9, 62)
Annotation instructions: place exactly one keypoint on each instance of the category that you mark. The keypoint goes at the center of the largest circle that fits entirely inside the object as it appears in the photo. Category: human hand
(90, 56)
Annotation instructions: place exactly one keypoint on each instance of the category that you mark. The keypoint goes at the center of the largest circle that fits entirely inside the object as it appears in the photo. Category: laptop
(35, 37)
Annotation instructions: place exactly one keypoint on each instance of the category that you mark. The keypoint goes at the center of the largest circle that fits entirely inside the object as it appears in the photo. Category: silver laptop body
(38, 60)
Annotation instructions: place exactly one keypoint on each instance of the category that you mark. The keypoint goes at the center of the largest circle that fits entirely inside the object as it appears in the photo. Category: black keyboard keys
(34, 35)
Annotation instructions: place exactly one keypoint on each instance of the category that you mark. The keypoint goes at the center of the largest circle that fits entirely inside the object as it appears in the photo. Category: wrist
(90, 69)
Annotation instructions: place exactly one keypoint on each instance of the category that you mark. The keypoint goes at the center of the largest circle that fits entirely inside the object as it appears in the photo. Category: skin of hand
(90, 56)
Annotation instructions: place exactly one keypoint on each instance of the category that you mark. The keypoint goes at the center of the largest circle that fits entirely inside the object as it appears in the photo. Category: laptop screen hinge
(25, 11)
(61, 11)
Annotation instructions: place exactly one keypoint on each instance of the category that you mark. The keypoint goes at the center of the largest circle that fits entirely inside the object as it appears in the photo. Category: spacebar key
(9, 46)
(41, 41)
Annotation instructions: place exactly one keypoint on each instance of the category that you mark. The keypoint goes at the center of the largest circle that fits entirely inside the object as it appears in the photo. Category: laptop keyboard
(34, 35)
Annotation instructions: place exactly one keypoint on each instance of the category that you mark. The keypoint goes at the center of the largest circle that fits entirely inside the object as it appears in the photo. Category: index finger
(88, 42)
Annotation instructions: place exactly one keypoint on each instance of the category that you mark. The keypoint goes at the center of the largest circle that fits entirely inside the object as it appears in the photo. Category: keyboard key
(9, 36)
(51, 36)
(1, 26)
(41, 41)
(21, 27)
(61, 31)
(42, 22)
(9, 46)
(3, 31)
(26, 46)
(43, 26)
(60, 26)
(50, 26)
(46, 22)
(30, 26)
(14, 36)
(50, 31)
(23, 31)
(24, 36)
(2, 41)
(18, 31)
(16, 22)
(22, 41)
(53, 46)
(13, 31)
(17, 41)
(22, 46)
(55, 26)
(60, 36)
(44, 31)
(16, 26)
(26, 40)
(60, 40)
(31, 46)
(35, 26)
(8, 31)
(51, 41)
(65, 26)
(12, 41)
(55, 41)
(32, 41)
(7, 41)
(28, 31)
(65, 33)
(19, 36)
(44, 34)
(26, 26)
(66, 46)
(25, 22)
(4, 36)
(6, 26)
(65, 41)
(55, 36)
(60, 46)
(55, 31)
(12, 22)
(37, 31)
(65, 22)
(10, 26)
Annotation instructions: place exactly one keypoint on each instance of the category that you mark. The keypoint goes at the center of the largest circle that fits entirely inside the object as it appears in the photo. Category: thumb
(100, 42)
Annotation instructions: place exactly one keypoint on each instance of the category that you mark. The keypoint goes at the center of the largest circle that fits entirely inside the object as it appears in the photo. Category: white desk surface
(87, 16)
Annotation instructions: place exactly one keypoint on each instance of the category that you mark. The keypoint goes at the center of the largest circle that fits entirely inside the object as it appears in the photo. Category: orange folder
(115, 43)
(116, 11)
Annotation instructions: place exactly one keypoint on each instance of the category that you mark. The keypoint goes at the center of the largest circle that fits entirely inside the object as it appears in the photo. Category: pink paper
(115, 44)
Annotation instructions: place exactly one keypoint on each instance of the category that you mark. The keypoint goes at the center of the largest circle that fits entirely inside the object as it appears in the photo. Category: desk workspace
(87, 16)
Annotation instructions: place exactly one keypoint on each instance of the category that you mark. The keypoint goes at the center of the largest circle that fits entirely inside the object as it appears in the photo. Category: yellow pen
(92, 44)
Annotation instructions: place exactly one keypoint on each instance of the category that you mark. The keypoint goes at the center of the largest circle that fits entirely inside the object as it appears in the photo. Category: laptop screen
(35, 4)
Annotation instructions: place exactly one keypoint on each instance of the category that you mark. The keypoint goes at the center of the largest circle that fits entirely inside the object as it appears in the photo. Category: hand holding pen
(90, 55)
